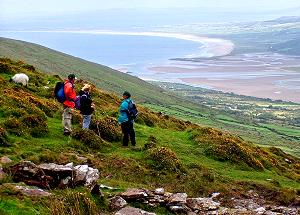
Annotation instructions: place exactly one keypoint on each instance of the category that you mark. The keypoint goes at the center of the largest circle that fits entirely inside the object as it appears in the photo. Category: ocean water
(128, 53)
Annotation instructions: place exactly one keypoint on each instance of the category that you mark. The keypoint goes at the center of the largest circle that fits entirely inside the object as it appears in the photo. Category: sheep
(20, 78)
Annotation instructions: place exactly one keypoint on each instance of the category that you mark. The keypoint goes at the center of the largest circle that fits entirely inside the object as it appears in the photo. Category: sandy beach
(260, 75)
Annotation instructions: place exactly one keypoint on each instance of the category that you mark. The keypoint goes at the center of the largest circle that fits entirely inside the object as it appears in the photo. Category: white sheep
(20, 78)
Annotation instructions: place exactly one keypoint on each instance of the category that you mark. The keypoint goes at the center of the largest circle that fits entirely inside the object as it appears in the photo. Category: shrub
(225, 147)
(88, 137)
(3, 137)
(152, 141)
(73, 203)
(108, 128)
(163, 158)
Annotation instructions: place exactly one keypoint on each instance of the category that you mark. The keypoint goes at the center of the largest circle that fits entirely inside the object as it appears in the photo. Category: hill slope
(177, 155)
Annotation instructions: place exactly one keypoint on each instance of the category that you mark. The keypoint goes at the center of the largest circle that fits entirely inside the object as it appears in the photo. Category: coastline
(211, 47)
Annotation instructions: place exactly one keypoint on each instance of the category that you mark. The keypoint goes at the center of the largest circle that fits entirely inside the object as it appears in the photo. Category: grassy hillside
(171, 153)
(188, 108)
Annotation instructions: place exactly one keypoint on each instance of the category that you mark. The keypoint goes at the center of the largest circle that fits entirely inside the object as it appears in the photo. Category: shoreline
(212, 47)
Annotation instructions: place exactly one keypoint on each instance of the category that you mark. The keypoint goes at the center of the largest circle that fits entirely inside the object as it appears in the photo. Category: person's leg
(125, 132)
(86, 121)
(131, 133)
(67, 120)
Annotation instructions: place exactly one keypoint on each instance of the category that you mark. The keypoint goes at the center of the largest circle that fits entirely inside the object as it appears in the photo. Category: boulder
(177, 198)
(202, 204)
(32, 191)
(133, 211)
(134, 194)
(31, 174)
(116, 203)
(159, 191)
(86, 175)
(5, 160)
(50, 175)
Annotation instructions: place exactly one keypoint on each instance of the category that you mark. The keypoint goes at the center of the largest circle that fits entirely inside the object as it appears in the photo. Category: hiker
(69, 103)
(126, 123)
(87, 106)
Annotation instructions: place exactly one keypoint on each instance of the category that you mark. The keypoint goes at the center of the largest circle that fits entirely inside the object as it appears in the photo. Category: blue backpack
(59, 92)
(132, 112)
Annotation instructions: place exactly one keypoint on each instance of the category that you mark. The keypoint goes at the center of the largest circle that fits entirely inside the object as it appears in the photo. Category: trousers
(128, 131)
(67, 119)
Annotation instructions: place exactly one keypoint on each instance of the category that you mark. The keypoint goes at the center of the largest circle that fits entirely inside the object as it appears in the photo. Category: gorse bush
(163, 158)
(88, 137)
(108, 128)
(225, 147)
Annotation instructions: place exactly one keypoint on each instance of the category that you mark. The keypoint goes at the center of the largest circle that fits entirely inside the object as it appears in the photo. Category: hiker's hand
(93, 106)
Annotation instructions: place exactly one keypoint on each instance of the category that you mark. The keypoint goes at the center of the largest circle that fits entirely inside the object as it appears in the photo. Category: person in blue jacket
(126, 123)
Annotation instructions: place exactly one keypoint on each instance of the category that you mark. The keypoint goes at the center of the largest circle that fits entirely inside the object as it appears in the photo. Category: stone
(159, 191)
(32, 191)
(31, 174)
(181, 209)
(206, 204)
(5, 160)
(86, 175)
(133, 211)
(82, 159)
(260, 210)
(177, 198)
(116, 203)
(2, 174)
(103, 186)
(134, 194)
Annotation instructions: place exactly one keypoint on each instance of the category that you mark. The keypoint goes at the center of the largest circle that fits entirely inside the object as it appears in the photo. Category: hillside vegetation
(177, 155)
(188, 104)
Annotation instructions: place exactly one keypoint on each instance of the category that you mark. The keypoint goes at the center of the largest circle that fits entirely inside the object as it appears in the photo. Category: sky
(17, 9)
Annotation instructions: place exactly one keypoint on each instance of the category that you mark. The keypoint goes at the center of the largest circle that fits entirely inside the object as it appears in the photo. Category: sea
(128, 53)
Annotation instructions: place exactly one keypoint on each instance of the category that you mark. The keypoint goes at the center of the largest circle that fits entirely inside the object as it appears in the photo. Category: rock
(159, 191)
(5, 160)
(133, 211)
(50, 175)
(116, 203)
(97, 191)
(31, 174)
(157, 199)
(181, 209)
(32, 191)
(177, 198)
(2, 174)
(134, 194)
(260, 210)
(215, 195)
(82, 159)
(86, 175)
(206, 204)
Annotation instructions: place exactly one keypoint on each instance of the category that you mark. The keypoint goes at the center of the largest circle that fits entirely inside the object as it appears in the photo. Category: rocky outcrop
(50, 175)
(179, 203)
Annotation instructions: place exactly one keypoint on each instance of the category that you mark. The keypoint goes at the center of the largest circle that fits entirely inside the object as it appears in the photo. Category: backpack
(132, 112)
(78, 102)
(59, 92)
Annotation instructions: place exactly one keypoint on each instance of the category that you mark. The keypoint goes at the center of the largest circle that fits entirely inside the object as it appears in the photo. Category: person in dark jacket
(126, 123)
(87, 106)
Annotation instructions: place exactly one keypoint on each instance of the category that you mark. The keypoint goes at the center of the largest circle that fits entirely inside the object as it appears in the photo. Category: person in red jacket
(69, 104)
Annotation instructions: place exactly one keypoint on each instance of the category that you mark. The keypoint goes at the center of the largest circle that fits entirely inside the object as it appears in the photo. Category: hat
(86, 87)
(127, 94)
(72, 76)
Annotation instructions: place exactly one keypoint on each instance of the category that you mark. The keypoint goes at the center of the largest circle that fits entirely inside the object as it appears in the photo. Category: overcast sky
(14, 9)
